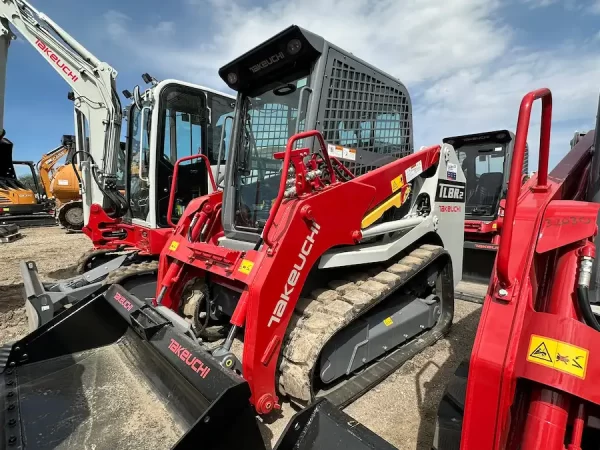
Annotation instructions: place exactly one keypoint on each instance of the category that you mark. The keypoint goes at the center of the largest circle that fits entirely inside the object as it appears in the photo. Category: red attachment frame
(284, 175)
(502, 262)
(174, 182)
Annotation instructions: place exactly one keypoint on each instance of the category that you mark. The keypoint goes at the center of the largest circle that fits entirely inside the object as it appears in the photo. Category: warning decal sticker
(338, 151)
(173, 246)
(558, 355)
(246, 266)
(397, 183)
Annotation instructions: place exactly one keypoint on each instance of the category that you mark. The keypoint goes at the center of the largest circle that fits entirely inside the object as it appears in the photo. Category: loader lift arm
(98, 110)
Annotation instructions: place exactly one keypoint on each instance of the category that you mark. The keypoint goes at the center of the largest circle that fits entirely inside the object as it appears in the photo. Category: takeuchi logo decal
(188, 357)
(52, 56)
(123, 302)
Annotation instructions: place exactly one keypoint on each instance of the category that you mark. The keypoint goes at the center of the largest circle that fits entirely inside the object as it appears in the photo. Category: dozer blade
(112, 373)
(478, 264)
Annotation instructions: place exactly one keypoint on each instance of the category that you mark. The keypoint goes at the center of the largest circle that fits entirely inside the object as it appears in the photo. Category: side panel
(446, 191)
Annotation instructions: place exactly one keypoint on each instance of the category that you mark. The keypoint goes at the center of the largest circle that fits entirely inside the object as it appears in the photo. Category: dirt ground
(401, 409)
(55, 253)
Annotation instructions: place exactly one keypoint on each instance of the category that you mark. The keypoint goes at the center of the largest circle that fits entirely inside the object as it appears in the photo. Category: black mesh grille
(365, 113)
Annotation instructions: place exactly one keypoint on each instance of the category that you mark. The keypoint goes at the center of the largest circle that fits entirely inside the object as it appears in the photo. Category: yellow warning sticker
(173, 246)
(387, 322)
(397, 183)
(246, 266)
(558, 355)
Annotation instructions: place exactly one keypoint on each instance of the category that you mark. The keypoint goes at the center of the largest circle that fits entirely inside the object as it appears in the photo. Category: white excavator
(167, 121)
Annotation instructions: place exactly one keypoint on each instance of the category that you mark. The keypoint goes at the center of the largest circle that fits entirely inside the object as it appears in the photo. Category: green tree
(27, 180)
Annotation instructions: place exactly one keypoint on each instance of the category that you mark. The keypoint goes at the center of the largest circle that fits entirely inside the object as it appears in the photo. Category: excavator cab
(485, 159)
(178, 117)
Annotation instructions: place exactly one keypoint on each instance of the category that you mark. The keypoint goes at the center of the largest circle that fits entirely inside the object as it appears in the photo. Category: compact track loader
(317, 271)
(532, 379)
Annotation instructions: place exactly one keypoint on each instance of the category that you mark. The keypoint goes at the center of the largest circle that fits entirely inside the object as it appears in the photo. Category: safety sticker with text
(558, 355)
(414, 171)
(173, 246)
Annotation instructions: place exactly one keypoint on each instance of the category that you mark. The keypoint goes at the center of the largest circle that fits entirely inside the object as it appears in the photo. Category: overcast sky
(466, 63)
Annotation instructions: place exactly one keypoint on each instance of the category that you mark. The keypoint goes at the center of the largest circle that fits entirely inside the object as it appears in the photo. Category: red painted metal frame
(270, 279)
(174, 182)
(112, 234)
(107, 233)
(516, 171)
(511, 402)
(284, 175)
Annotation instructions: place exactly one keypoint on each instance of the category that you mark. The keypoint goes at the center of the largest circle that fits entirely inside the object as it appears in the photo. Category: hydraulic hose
(116, 199)
(583, 284)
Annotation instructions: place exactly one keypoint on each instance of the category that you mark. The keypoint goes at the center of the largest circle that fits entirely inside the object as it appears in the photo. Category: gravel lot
(401, 409)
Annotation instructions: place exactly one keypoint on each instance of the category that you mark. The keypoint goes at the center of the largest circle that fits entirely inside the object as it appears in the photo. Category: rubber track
(327, 311)
(118, 275)
(87, 256)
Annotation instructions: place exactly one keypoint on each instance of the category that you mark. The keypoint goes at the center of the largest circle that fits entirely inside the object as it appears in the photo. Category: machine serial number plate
(558, 355)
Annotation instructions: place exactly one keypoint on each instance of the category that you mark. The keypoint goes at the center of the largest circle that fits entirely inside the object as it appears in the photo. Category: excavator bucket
(114, 372)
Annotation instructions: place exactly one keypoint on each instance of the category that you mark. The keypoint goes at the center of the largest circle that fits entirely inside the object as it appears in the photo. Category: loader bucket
(112, 372)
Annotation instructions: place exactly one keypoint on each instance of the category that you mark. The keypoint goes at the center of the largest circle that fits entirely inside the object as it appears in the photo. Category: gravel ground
(401, 409)
(54, 251)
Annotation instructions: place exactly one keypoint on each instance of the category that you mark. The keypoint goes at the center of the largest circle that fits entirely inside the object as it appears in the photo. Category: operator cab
(177, 119)
(294, 82)
(485, 159)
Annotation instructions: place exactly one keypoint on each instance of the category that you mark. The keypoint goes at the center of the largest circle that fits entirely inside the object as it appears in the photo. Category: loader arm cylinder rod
(503, 260)
(396, 225)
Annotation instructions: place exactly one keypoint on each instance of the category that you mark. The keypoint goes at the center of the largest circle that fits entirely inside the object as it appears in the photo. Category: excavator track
(122, 273)
(327, 311)
(93, 258)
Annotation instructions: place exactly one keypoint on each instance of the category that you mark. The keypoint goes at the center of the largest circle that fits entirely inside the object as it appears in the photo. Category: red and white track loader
(532, 379)
(317, 271)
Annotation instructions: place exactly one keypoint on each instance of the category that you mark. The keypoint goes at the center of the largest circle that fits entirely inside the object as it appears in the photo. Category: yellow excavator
(21, 204)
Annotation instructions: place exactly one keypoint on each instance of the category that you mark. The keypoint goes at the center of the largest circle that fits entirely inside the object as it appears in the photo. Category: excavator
(168, 120)
(21, 205)
(486, 160)
(531, 380)
(315, 272)
(61, 184)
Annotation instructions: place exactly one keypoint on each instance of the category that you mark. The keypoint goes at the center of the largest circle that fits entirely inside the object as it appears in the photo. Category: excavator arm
(46, 166)
(98, 111)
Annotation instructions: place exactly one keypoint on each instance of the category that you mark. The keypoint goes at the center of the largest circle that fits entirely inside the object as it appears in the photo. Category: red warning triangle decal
(541, 352)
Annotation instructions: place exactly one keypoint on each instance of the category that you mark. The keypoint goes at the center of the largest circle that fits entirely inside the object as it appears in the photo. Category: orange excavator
(61, 184)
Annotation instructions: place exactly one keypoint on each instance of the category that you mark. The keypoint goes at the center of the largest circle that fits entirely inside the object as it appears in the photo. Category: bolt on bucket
(90, 379)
